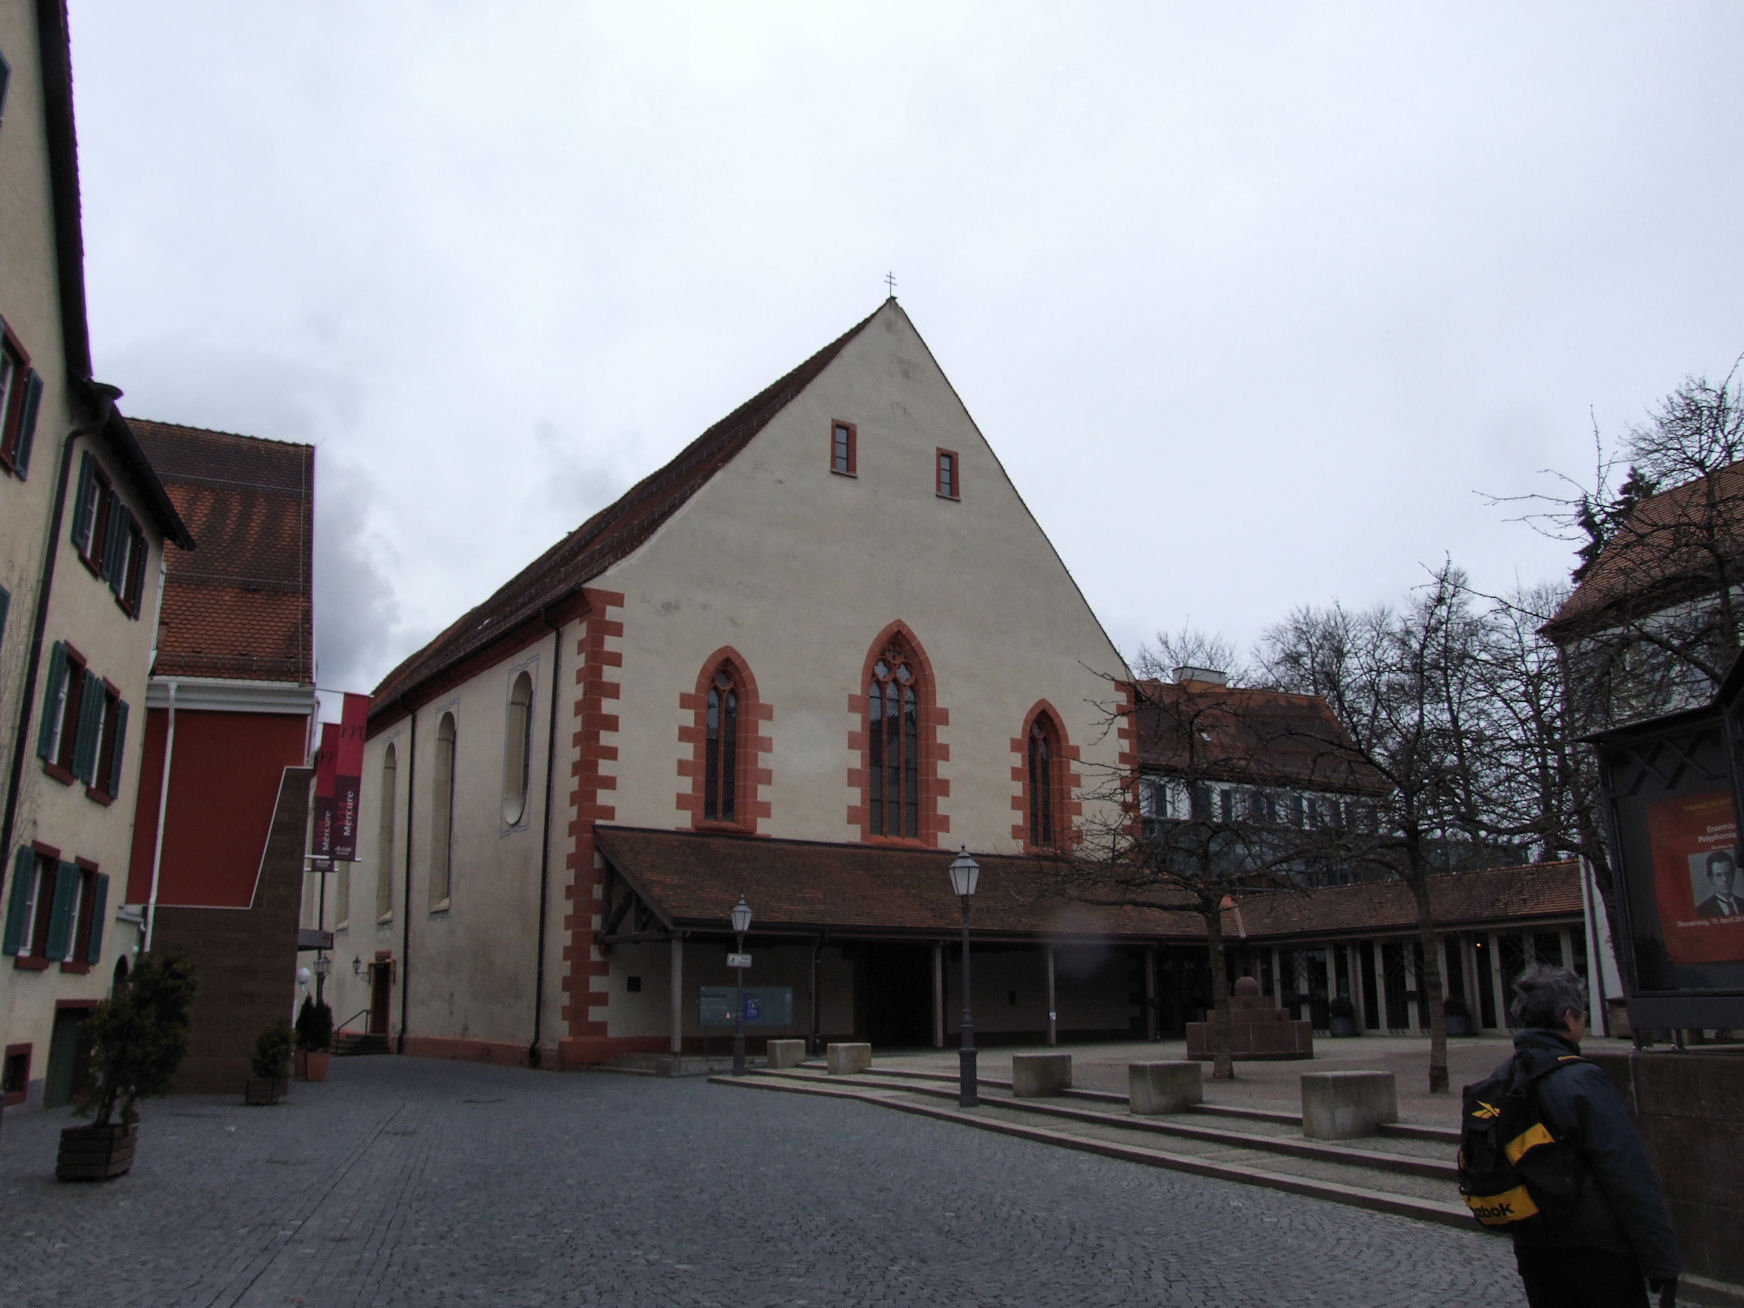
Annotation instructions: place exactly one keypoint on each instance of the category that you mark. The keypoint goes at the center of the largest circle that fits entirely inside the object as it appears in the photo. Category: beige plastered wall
(82, 610)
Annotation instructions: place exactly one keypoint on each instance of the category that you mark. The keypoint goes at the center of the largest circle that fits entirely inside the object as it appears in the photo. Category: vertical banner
(326, 755)
(348, 776)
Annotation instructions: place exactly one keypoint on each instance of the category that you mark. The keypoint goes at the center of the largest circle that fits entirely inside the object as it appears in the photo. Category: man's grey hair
(1543, 994)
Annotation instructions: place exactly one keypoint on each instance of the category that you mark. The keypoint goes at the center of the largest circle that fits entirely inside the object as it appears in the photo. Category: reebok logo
(1486, 1110)
(1492, 1212)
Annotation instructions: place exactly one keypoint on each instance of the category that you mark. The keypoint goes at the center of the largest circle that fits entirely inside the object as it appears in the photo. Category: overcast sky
(1251, 301)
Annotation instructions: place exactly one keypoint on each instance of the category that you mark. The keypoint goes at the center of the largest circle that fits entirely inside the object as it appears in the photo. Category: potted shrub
(1458, 1016)
(1341, 1017)
(139, 1036)
(272, 1058)
(314, 1039)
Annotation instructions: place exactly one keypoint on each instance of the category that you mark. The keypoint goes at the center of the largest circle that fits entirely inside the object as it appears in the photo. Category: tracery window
(384, 858)
(893, 746)
(442, 816)
(720, 750)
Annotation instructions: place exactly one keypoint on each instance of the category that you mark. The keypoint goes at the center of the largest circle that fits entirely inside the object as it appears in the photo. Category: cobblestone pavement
(406, 1181)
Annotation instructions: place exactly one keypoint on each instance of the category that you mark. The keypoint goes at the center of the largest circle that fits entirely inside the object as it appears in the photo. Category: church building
(805, 662)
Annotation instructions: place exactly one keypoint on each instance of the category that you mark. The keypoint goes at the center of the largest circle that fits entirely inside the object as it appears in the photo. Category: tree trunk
(1429, 986)
(1222, 1065)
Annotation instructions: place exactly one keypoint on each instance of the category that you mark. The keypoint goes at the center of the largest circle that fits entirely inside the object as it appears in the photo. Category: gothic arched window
(893, 746)
(720, 750)
(1043, 780)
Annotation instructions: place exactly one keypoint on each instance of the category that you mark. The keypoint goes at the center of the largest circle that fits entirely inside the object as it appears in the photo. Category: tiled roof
(241, 606)
(610, 535)
(1235, 733)
(1458, 899)
(692, 880)
(1662, 555)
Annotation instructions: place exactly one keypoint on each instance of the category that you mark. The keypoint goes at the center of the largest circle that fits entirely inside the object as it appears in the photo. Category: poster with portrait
(1695, 876)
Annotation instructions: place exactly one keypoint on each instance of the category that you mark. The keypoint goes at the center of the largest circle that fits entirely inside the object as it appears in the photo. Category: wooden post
(1048, 954)
(816, 1045)
(677, 1000)
(939, 995)
(1152, 1025)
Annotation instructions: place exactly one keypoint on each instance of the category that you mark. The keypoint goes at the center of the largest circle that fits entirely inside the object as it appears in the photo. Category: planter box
(316, 1063)
(95, 1153)
(258, 1093)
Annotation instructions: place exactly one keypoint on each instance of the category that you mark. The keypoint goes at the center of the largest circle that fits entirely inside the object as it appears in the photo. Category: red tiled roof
(1663, 554)
(609, 536)
(1236, 733)
(692, 880)
(241, 606)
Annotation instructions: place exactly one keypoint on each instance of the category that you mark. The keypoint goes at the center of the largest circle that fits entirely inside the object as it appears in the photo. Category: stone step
(1411, 1177)
(352, 1044)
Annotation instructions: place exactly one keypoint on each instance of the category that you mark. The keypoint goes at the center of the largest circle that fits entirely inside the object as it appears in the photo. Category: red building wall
(224, 784)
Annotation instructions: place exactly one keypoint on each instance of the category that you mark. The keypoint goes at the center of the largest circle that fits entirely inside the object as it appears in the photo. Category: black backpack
(1513, 1171)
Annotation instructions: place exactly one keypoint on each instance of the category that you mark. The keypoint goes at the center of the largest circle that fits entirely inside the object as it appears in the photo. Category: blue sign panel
(769, 1006)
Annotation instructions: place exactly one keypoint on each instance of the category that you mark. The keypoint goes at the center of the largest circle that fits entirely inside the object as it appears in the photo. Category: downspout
(545, 840)
(406, 925)
(163, 805)
(39, 623)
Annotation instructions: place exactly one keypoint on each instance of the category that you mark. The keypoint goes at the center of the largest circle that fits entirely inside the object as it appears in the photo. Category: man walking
(1617, 1233)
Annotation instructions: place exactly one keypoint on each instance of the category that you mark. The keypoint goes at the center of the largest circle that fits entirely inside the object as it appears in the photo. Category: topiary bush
(272, 1051)
(314, 1026)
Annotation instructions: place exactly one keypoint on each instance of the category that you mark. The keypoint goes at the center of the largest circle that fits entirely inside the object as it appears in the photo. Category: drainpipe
(107, 396)
(163, 806)
(545, 840)
(406, 908)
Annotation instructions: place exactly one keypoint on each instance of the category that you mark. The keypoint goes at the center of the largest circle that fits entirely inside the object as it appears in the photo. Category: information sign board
(764, 1005)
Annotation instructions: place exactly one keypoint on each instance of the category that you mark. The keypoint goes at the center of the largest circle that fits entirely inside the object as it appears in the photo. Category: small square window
(949, 480)
(633, 984)
(843, 455)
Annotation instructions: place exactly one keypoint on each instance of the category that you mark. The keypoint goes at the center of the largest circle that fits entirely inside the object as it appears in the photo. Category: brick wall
(247, 958)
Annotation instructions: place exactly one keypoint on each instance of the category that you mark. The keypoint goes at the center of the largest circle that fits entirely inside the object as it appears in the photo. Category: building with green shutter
(85, 519)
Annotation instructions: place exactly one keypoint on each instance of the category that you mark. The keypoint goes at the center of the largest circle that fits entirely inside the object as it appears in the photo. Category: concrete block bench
(1036, 1076)
(846, 1059)
(785, 1053)
(1164, 1087)
(1343, 1105)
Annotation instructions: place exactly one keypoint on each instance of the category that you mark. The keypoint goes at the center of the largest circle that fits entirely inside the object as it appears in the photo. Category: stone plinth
(785, 1053)
(1163, 1087)
(1344, 1105)
(1689, 1108)
(1256, 1028)
(846, 1059)
(1035, 1076)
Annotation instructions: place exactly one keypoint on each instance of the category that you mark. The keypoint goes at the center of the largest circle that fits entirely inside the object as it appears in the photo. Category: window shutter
(114, 543)
(86, 743)
(5, 603)
(17, 909)
(84, 503)
(119, 751)
(99, 906)
(60, 922)
(140, 556)
(27, 425)
(57, 668)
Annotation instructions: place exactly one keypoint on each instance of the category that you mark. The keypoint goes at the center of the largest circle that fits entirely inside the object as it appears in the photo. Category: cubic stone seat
(846, 1059)
(1344, 1105)
(1164, 1087)
(785, 1053)
(1036, 1076)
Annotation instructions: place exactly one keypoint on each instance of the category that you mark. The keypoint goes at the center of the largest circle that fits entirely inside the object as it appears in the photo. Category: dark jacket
(1620, 1207)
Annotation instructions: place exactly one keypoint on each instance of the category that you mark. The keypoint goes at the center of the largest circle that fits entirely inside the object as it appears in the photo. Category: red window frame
(948, 474)
(80, 947)
(844, 448)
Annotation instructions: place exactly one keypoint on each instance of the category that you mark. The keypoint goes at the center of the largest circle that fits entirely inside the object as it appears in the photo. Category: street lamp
(965, 872)
(741, 924)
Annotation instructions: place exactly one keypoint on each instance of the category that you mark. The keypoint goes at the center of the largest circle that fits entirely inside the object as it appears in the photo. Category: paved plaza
(407, 1181)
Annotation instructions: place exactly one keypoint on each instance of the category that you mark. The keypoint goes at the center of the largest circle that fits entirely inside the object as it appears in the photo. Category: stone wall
(1689, 1108)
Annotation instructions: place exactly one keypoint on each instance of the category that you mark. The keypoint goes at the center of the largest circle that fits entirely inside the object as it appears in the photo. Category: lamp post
(741, 924)
(965, 872)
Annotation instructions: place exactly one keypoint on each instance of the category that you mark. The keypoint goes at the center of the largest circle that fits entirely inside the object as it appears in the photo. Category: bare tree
(1407, 689)
(1209, 818)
